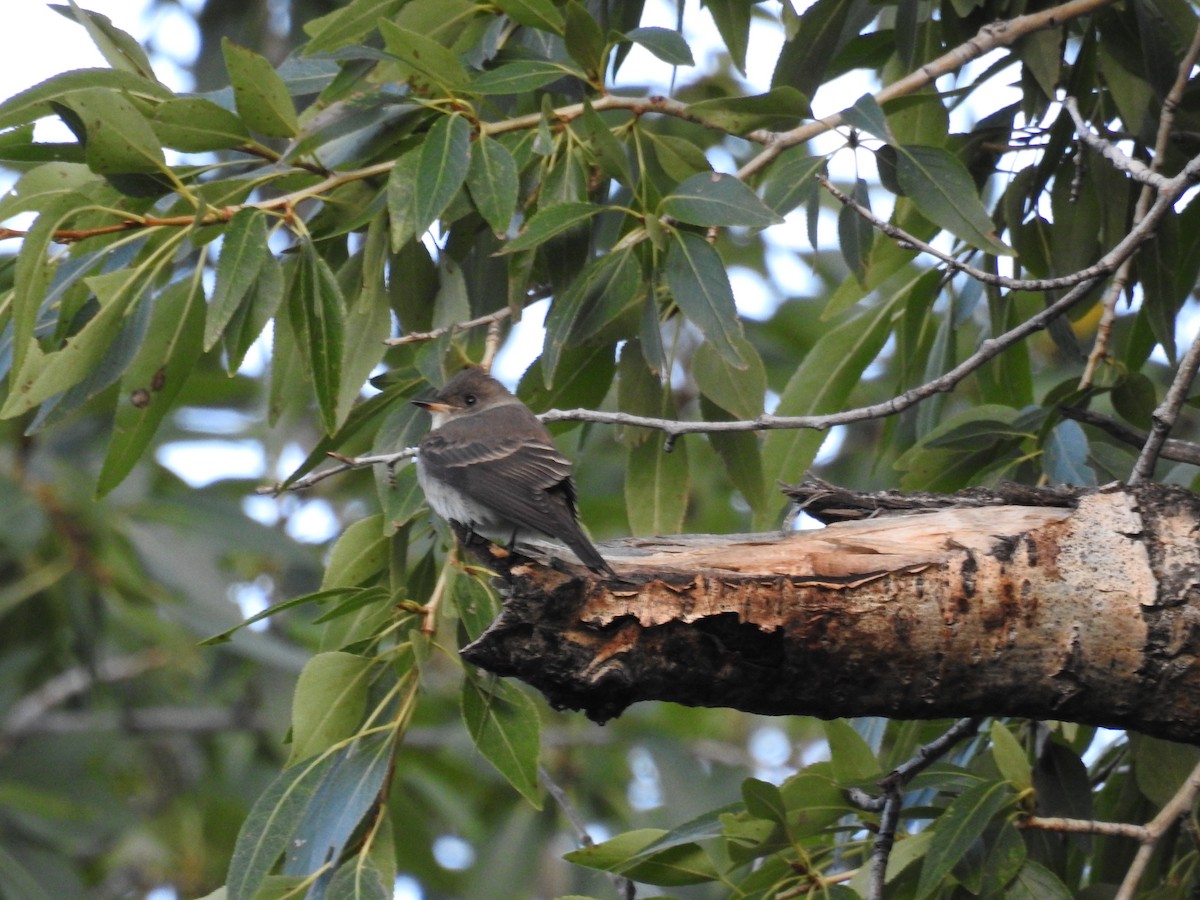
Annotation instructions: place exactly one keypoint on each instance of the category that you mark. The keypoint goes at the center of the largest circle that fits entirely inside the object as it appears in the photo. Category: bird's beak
(432, 406)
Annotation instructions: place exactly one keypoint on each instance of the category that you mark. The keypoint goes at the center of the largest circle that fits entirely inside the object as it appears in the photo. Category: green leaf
(504, 724)
(1035, 882)
(867, 115)
(165, 360)
(821, 384)
(609, 154)
(346, 794)
(715, 199)
(252, 315)
(942, 189)
(541, 14)
(442, 169)
(119, 139)
(665, 43)
(196, 125)
(960, 826)
(549, 222)
(263, 101)
(1011, 758)
(850, 756)
(329, 702)
(764, 800)
(855, 234)
(34, 103)
(780, 107)
(820, 34)
(120, 49)
(791, 180)
(698, 284)
(316, 311)
(359, 880)
(1065, 454)
(741, 392)
(732, 18)
(1134, 398)
(425, 56)
(347, 25)
(521, 77)
(401, 200)
(1161, 767)
(243, 252)
(656, 488)
(678, 865)
(45, 374)
(584, 39)
(492, 181)
(270, 824)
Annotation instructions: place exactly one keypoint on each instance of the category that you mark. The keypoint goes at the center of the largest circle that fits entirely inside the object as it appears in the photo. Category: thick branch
(1086, 614)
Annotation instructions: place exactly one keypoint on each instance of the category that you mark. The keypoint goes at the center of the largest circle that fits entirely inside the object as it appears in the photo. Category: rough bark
(1087, 612)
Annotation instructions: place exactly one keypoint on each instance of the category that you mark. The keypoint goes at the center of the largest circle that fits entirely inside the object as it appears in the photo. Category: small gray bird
(491, 466)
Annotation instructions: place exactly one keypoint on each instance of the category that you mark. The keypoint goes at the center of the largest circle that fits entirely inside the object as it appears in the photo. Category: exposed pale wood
(1090, 614)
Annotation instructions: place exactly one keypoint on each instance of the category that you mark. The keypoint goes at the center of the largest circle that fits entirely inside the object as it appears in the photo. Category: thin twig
(1179, 451)
(624, 887)
(1168, 411)
(490, 319)
(1121, 279)
(892, 798)
(1083, 826)
(345, 464)
(1013, 284)
(1177, 806)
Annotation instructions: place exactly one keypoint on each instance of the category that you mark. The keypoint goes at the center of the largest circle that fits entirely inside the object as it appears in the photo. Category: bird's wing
(527, 481)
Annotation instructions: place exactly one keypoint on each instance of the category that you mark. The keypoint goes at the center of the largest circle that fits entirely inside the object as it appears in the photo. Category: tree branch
(1165, 416)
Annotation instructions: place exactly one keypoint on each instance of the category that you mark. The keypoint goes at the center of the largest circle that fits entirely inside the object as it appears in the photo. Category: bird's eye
(469, 399)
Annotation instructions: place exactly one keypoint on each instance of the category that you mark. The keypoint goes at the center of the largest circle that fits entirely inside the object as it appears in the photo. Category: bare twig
(346, 464)
(624, 887)
(491, 319)
(1177, 806)
(1083, 826)
(1121, 279)
(892, 798)
(1013, 284)
(1166, 414)
(1179, 451)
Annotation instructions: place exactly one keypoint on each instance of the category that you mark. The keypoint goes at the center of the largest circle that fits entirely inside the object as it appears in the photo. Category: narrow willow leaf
(34, 103)
(867, 115)
(401, 197)
(347, 25)
(850, 757)
(732, 18)
(781, 107)
(739, 391)
(492, 181)
(549, 222)
(1065, 454)
(442, 168)
(521, 77)
(680, 865)
(656, 488)
(119, 48)
(665, 43)
(700, 287)
(834, 366)
(541, 14)
(716, 199)
(791, 180)
(1010, 757)
(165, 360)
(119, 138)
(317, 313)
(1034, 881)
(347, 793)
(243, 252)
(855, 234)
(269, 826)
(329, 702)
(584, 38)
(263, 101)
(958, 828)
(196, 125)
(253, 314)
(358, 880)
(611, 855)
(433, 62)
(823, 30)
(503, 722)
(609, 154)
(944, 192)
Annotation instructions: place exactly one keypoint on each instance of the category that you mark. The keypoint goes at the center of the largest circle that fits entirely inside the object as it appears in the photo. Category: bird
(489, 465)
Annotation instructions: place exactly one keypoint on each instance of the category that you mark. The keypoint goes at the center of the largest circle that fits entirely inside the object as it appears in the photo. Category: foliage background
(132, 755)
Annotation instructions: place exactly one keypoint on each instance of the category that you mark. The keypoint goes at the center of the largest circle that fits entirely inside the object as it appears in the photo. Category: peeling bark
(1087, 612)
